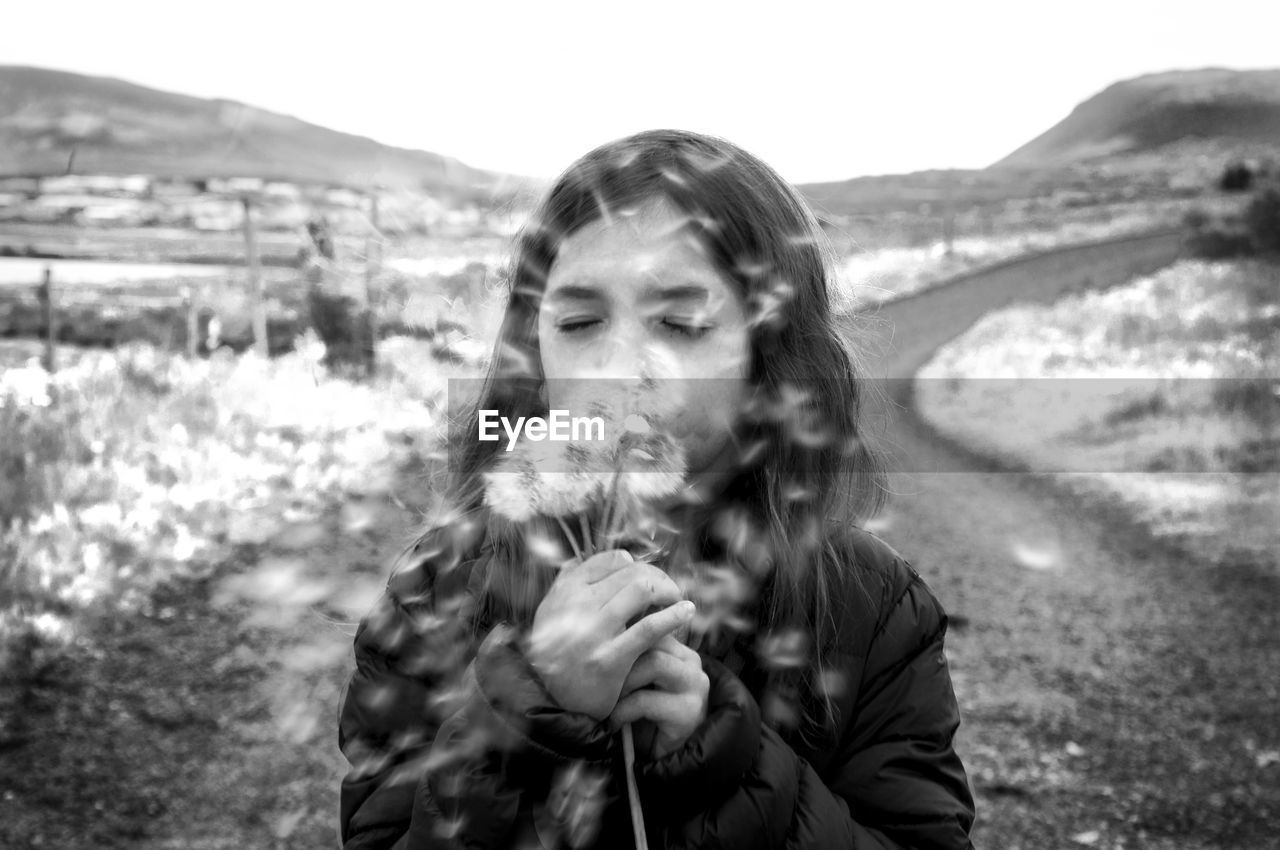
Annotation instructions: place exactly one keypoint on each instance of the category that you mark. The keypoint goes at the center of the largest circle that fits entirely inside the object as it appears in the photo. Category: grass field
(1162, 393)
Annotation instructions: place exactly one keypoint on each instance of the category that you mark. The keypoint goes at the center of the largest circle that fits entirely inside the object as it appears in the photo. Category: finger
(629, 603)
(627, 646)
(670, 644)
(613, 584)
(661, 707)
(603, 564)
(662, 670)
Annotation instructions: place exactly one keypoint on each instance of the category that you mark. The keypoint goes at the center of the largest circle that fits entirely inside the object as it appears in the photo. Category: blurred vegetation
(1250, 231)
(130, 467)
(1174, 373)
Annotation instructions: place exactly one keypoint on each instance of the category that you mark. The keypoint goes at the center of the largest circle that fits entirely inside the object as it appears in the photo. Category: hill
(1168, 112)
(111, 126)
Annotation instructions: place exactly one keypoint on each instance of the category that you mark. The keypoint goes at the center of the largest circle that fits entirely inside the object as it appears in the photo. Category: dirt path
(1115, 692)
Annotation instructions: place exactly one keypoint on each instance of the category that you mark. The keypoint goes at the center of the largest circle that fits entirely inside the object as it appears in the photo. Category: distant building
(286, 216)
(174, 187)
(234, 185)
(120, 213)
(132, 186)
(214, 214)
(279, 190)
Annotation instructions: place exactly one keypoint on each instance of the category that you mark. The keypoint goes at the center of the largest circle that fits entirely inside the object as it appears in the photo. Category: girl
(803, 701)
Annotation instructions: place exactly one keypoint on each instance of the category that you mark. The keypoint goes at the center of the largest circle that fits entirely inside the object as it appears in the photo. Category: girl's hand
(674, 705)
(580, 642)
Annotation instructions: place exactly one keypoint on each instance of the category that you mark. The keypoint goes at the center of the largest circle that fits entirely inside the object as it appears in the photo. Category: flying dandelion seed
(767, 311)
(1033, 557)
(853, 447)
(803, 240)
(577, 801)
(606, 214)
(832, 683)
(545, 549)
(516, 362)
(705, 162)
(879, 524)
(537, 274)
(793, 492)
(447, 828)
(702, 225)
(783, 650)
(780, 710)
(675, 177)
(625, 157)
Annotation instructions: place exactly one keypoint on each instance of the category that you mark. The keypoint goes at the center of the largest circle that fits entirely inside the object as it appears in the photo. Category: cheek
(707, 417)
(715, 392)
(704, 433)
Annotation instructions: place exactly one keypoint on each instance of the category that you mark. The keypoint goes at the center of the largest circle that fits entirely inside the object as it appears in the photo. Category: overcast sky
(822, 91)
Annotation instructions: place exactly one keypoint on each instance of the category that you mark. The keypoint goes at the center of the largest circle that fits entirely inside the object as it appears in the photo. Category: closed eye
(690, 329)
(573, 326)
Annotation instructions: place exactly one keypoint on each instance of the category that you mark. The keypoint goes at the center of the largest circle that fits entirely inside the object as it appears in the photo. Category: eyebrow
(581, 291)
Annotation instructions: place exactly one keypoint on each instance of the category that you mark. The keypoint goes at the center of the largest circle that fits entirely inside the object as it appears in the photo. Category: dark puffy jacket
(887, 776)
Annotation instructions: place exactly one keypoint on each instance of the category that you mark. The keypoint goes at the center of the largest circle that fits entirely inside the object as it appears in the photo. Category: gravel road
(1115, 691)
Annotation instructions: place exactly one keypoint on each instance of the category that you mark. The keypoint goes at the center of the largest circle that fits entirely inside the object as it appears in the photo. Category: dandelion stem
(589, 540)
(564, 526)
(610, 508)
(633, 791)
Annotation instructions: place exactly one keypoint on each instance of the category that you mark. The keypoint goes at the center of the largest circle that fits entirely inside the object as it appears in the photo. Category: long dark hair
(808, 467)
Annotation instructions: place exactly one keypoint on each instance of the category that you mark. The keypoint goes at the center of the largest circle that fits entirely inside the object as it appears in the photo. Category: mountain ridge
(106, 125)
(1154, 111)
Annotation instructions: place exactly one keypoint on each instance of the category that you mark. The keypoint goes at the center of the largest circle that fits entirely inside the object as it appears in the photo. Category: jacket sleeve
(894, 782)
(444, 738)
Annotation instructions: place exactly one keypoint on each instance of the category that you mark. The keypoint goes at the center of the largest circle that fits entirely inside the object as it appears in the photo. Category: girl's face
(637, 296)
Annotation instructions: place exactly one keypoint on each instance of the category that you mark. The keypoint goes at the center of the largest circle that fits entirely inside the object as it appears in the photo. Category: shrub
(1196, 219)
(1262, 220)
(342, 326)
(1236, 177)
(1219, 243)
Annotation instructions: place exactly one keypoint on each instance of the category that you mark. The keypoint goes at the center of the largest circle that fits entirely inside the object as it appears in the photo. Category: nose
(622, 355)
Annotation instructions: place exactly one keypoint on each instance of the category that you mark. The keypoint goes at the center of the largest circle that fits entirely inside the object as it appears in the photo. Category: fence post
(192, 303)
(257, 295)
(44, 292)
(372, 257)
